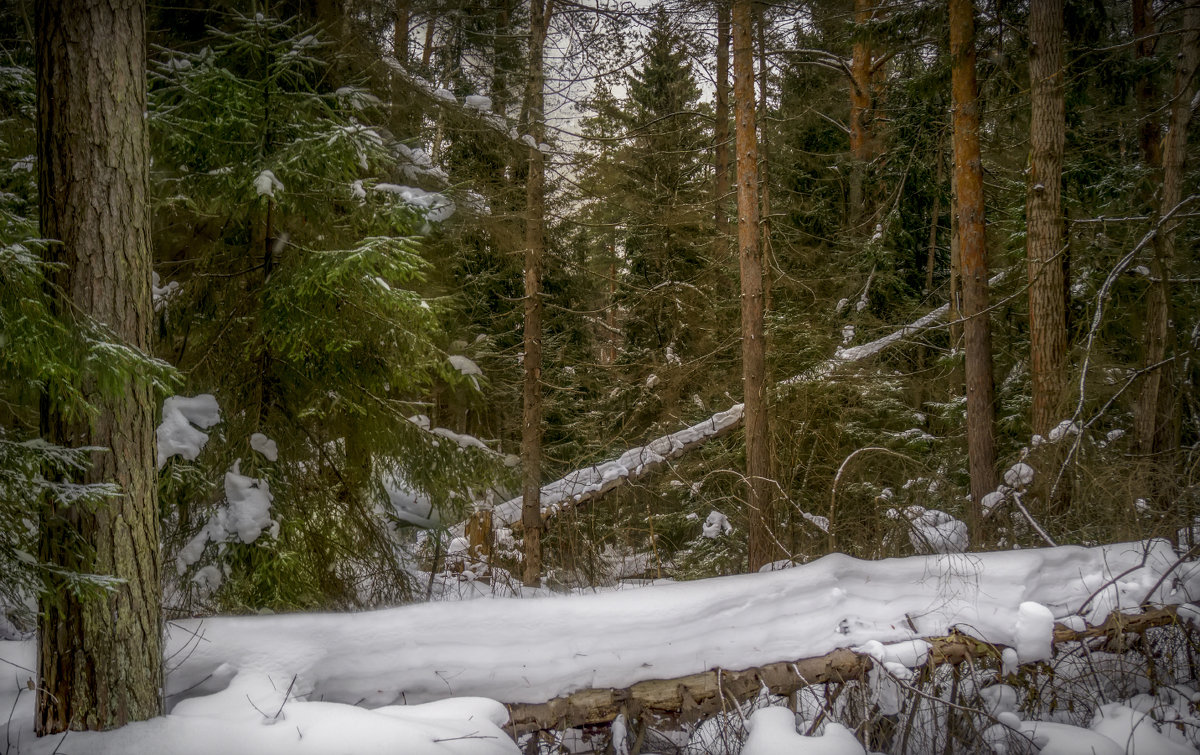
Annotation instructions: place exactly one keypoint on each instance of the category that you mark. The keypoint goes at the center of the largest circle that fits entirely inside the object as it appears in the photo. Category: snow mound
(176, 434)
(773, 732)
(267, 184)
(265, 446)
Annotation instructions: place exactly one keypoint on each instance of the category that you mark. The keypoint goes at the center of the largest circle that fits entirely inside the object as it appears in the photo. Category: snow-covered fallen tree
(292, 681)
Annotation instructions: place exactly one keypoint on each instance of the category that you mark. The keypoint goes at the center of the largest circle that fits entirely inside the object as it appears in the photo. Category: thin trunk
(764, 161)
(99, 658)
(427, 48)
(535, 242)
(861, 149)
(400, 31)
(1153, 417)
(721, 126)
(935, 215)
(955, 268)
(1147, 94)
(972, 247)
(758, 450)
(1043, 214)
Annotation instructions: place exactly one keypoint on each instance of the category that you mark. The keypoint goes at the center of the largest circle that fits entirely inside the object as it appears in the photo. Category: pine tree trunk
(99, 659)
(758, 450)
(535, 242)
(1147, 94)
(1043, 214)
(1153, 414)
(721, 125)
(764, 156)
(972, 249)
(861, 142)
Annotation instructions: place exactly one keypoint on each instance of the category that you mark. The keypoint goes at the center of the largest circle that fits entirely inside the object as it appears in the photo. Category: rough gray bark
(100, 658)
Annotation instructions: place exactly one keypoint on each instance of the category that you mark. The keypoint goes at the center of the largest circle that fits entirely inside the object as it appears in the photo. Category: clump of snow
(445, 95)
(1034, 632)
(159, 293)
(1135, 731)
(176, 434)
(652, 380)
(436, 207)
(467, 368)
(245, 515)
(248, 505)
(715, 525)
(1019, 475)
(265, 183)
(478, 102)
(992, 500)
(933, 531)
(773, 732)
(847, 334)
(1063, 429)
(265, 446)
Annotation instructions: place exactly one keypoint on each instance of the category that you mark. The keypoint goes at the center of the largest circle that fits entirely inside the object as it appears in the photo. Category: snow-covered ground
(299, 682)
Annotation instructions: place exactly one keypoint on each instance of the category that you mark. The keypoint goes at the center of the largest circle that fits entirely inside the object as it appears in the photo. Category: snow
(445, 95)
(265, 446)
(245, 514)
(478, 102)
(267, 184)
(291, 683)
(408, 504)
(1018, 475)
(773, 732)
(716, 525)
(159, 293)
(590, 481)
(177, 434)
(248, 505)
(536, 649)
(1034, 632)
(436, 207)
(933, 531)
(467, 368)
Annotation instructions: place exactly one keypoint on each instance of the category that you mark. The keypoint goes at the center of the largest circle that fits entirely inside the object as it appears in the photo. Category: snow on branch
(590, 482)
(587, 483)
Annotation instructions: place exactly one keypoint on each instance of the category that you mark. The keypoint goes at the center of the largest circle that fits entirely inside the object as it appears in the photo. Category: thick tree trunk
(535, 243)
(1043, 214)
(1153, 415)
(758, 448)
(862, 140)
(972, 249)
(721, 126)
(764, 157)
(99, 658)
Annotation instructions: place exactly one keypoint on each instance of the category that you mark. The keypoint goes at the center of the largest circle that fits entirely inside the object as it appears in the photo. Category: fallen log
(690, 698)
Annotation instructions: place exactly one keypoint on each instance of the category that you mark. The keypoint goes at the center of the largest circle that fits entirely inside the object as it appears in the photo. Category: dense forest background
(361, 208)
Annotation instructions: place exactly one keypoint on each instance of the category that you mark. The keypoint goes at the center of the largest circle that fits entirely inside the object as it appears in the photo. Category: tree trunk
(1147, 94)
(99, 657)
(1043, 215)
(764, 153)
(758, 449)
(1153, 417)
(721, 126)
(972, 249)
(535, 242)
(862, 143)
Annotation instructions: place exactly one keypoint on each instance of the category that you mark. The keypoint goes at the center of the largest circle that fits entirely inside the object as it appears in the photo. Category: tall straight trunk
(100, 657)
(861, 140)
(721, 125)
(758, 448)
(1153, 417)
(1043, 215)
(972, 250)
(400, 30)
(764, 155)
(535, 243)
(427, 47)
(1147, 94)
